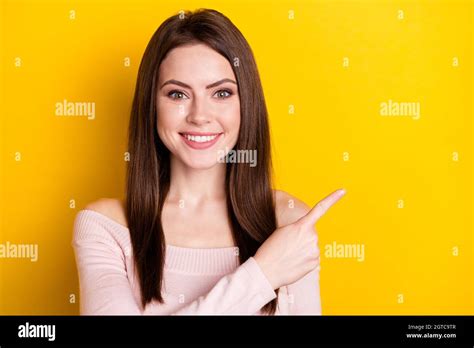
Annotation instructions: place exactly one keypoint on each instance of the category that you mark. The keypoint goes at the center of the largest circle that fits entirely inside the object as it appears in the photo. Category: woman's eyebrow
(182, 84)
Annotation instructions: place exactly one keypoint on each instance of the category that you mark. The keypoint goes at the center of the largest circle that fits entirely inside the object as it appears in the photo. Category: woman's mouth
(200, 141)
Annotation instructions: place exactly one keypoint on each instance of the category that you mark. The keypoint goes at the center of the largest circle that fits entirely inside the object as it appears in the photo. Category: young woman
(197, 233)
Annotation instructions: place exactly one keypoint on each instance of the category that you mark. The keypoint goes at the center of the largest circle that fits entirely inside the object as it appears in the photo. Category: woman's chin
(200, 163)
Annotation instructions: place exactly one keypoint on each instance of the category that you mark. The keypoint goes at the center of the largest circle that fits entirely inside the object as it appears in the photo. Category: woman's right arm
(103, 281)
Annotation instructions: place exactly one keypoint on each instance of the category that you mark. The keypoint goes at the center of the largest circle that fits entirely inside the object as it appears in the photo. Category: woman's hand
(291, 251)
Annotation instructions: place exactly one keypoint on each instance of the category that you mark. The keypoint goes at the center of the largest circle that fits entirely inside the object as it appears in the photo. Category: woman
(198, 233)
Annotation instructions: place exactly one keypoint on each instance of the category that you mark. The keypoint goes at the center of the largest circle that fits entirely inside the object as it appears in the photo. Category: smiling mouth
(201, 138)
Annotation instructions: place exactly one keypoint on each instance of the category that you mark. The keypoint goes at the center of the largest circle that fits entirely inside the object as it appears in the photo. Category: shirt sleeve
(105, 288)
(103, 281)
(304, 295)
(245, 291)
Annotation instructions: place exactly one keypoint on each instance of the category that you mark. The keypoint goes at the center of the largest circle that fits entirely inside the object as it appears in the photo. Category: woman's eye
(176, 95)
(223, 94)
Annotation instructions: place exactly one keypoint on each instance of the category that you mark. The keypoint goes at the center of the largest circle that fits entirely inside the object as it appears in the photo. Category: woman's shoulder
(288, 208)
(102, 221)
(111, 208)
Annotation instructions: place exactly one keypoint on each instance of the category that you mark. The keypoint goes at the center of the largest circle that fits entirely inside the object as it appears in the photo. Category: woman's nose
(199, 113)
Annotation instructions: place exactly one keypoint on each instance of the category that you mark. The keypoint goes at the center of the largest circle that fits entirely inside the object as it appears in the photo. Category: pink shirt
(196, 281)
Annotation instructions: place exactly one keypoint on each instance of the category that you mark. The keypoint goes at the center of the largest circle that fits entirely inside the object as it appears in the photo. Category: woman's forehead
(195, 64)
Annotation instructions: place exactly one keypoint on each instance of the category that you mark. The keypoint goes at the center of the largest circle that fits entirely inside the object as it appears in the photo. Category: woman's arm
(304, 295)
(244, 291)
(103, 282)
(105, 288)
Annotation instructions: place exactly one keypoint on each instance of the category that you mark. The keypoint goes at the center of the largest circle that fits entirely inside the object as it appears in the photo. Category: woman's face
(198, 105)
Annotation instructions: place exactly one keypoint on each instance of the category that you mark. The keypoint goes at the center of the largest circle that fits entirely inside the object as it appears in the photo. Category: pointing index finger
(322, 207)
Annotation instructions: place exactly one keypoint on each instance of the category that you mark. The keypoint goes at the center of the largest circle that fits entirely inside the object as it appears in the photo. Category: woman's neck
(196, 186)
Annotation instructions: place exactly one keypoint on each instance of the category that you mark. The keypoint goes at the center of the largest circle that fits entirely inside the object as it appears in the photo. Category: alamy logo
(37, 331)
(13, 251)
(393, 108)
(237, 156)
(339, 250)
(67, 108)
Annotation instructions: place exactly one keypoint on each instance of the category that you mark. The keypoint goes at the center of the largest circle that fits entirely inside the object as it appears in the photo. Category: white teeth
(199, 138)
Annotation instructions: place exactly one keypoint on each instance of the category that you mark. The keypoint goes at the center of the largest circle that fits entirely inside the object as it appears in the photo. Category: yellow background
(401, 56)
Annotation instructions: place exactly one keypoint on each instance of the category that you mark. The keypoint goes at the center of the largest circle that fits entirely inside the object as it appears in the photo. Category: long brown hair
(250, 202)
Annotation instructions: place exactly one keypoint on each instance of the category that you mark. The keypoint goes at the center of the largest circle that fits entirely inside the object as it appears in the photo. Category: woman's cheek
(234, 123)
(167, 122)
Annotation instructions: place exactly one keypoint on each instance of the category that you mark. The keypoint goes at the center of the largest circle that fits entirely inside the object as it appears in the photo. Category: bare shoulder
(288, 208)
(110, 207)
